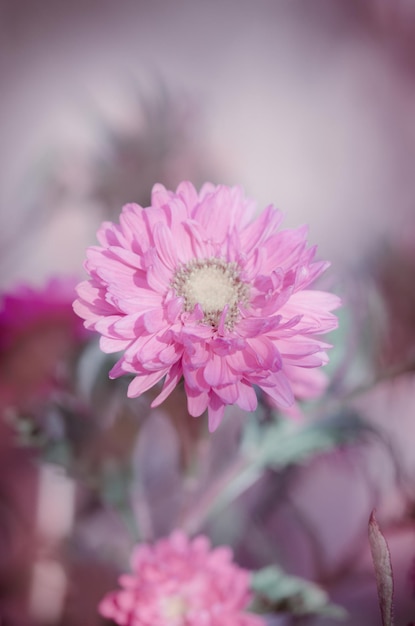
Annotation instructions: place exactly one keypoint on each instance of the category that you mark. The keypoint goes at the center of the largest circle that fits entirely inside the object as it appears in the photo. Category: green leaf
(286, 442)
(277, 591)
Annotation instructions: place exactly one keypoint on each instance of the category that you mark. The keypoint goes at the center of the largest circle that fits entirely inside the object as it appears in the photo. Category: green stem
(238, 477)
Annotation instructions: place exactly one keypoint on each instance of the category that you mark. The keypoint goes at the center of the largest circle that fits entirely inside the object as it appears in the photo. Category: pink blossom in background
(180, 581)
(38, 333)
(196, 286)
(27, 306)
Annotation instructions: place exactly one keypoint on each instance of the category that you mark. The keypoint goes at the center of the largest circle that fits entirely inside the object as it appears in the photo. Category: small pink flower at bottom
(182, 582)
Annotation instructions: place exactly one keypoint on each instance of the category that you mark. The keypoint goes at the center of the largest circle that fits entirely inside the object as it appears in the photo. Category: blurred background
(309, 105)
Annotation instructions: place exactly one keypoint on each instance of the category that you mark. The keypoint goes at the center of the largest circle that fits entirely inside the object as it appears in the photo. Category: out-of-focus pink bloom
(38, 333)
(178, 582)
(196, 286)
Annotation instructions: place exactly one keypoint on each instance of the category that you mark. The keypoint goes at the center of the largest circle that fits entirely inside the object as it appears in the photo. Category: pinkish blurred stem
(240, 475)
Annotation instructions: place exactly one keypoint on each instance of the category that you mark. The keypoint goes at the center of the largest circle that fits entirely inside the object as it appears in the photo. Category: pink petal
(188, 194)
(158, 276)
(110, 234)
(134, 227)
(160, 196)
(228, 393)
(216, 409)
(315, 307)
(247, 398)
(268, 221)
(197, 401)
(278, 387)
(211, 214)
(109, 345)
(194, 378)
(265, 354)
(213, 370)
(173, 309)
(172, 379)
(126, 256)
(284, 248)
(170, 354)
(140, 384)
(154, 320)
(165, 245)
(306, 383)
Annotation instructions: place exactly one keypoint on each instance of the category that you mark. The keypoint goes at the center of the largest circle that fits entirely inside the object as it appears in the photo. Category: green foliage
(281, 443)
(285, 442)
(276, 591)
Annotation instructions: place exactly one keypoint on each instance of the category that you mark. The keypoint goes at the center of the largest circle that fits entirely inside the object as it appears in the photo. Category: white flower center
(211, 287)
(174, 609)
(213, 284)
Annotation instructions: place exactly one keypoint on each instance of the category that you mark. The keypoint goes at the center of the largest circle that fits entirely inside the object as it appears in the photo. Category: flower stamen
(213, 284)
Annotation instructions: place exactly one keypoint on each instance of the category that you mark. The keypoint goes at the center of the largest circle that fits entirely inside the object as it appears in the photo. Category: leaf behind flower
(276, 591)
(285, 442)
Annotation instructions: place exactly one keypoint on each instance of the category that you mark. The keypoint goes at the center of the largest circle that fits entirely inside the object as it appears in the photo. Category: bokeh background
(309, 105)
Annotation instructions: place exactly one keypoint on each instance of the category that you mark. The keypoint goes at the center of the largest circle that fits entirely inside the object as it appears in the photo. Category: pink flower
(195, 286)
(38, 335)
(178, 582)
(26, 307)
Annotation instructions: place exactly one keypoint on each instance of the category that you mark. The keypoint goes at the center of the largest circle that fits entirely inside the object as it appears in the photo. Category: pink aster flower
(196, 286)
(178, 582)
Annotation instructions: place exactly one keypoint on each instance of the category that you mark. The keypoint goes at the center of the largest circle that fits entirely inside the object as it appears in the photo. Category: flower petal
(140, 384)
(278, 387)
(165, 246)
(173, 377)
(216, 409)
(197, 401)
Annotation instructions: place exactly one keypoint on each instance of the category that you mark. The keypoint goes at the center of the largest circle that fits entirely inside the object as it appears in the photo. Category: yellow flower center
(213, 284)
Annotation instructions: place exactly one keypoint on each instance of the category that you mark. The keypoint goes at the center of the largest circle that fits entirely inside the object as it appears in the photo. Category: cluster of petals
(181, 582)
(198, 286)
